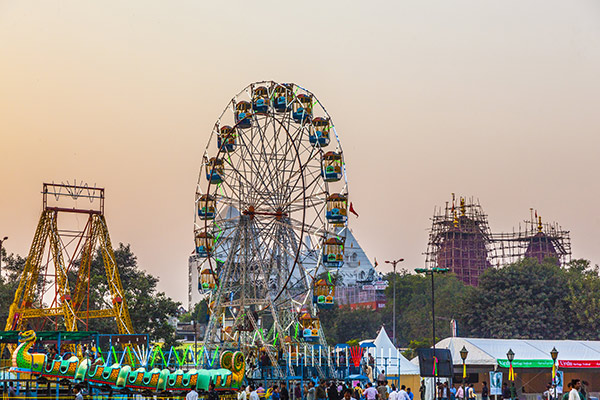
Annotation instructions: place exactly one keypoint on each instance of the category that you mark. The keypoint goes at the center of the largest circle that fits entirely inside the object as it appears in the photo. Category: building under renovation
(460, 239)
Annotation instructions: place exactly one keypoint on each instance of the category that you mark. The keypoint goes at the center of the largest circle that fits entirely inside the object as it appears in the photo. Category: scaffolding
(460, 239)
(535, 240)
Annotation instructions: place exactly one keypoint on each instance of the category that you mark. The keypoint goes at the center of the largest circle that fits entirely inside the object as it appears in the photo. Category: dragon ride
(226, 378)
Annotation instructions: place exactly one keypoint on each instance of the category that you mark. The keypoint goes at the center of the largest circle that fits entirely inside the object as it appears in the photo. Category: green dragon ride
(228, 377)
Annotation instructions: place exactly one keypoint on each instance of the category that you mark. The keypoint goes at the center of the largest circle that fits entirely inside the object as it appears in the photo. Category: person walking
(410, 394)
(394, 393)
(193, 395)
(321, 391)
(310, 393)
(241, 394)
(402, 395)
(485, 391)
(505, 391)
(253, 393)
(575, 386)
(471, 393)
(460, 393)
(284, 393)
(370, 392)
(332, 391)
(212, 393)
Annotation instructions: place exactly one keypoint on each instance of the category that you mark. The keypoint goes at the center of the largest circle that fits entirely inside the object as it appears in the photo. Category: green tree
(526, 299)
(199, 313)
(150, 310)
(342, 325)
(413, 305)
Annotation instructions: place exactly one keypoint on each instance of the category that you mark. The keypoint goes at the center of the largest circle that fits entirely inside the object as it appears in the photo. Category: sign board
(526, 363)
(495, 383)
(558, 381)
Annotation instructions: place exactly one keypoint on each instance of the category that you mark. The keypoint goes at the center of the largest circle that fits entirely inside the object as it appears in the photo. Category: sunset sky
(499, 100)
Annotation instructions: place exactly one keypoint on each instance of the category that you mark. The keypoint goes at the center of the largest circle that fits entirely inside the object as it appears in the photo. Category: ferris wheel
(271, 217)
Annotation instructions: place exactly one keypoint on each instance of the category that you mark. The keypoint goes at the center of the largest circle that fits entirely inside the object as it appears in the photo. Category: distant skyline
(495, 100)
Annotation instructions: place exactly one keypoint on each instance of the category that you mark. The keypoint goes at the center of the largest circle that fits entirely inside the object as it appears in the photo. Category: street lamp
(554, 355)
(2, 241)
(394, 311)
(432, 271)
(463, 355)
(511, 373)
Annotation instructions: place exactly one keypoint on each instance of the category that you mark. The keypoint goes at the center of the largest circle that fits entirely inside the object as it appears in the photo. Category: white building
(357, 268)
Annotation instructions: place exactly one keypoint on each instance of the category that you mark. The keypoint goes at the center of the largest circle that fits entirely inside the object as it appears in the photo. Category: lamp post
(554, 355)
(394, 311)
(463, 355)
(511, 374)
(433, 271)
(1, 242)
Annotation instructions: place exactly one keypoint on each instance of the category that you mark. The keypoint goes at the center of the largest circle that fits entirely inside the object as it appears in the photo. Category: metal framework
(263, 176)
(460, 239)
(536, 240)
(54, 286)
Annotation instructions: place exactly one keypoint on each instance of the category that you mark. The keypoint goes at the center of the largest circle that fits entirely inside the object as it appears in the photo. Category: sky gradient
(493, 99)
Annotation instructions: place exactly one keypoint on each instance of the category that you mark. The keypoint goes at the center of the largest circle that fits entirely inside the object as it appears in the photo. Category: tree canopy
(149, 309)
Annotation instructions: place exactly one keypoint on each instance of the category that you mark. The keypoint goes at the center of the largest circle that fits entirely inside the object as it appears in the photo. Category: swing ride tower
(54, 288)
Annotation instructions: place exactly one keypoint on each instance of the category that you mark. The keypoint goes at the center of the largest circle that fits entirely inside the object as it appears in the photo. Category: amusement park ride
(58, 254)
(271, 217)
(270, 225)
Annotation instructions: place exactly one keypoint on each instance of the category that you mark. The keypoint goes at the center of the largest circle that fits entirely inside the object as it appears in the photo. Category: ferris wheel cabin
(302, 109)
(206, 206)
(331, 166)
(208, 280)
(337, 208)
(324, 294)
(226, 139)
(310, 327)
(204, 244)
(260, 100)
(282, 98)
(215, 169)
(333, 253)
(319, 132)
(243, 115)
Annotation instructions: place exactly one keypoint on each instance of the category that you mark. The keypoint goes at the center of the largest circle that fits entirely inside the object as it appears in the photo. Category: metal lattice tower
(54, 286)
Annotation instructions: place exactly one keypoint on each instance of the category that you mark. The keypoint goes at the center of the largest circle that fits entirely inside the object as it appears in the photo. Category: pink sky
(497, 100)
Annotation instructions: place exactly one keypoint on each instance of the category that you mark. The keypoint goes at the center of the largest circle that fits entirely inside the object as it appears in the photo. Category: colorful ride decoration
(206, 206)
(337, 208)
(282, 98)
(208, 280)
(333, 253)
(243, 114)
(310, 327)
(260, 100)
(356, 354)
(319, 132)
(226, 139)
(228, 377)
(302, 108)
(331, 166)
(204, 243)
(214, 170)
(324, 294)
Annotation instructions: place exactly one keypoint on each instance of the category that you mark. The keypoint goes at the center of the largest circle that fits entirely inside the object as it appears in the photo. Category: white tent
(389, 358)
(488, 352)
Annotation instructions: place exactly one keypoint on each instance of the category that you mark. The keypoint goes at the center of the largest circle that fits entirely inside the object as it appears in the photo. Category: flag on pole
(352, 210)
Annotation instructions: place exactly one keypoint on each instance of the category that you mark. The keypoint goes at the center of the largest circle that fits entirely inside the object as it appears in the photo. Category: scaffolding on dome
(534, 240)
(460, 239)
